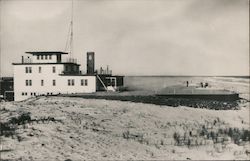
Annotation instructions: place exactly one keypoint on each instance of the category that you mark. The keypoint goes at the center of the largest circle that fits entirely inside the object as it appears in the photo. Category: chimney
(90, 62)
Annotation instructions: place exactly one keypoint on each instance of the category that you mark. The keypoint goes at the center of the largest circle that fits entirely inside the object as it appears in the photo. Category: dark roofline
(45, 52)
(43, 63)
(77, 75)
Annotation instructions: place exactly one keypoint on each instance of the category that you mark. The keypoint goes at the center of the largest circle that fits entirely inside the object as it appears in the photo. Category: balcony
(69, 60)
(102, 71)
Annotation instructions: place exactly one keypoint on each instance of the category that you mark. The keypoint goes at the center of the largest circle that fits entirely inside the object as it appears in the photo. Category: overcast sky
(135, 37)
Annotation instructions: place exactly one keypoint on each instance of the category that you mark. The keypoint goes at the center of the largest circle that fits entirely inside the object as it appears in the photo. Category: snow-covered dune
(74, 128)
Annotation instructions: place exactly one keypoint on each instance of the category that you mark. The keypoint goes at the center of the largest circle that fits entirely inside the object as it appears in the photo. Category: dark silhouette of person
(187, 83)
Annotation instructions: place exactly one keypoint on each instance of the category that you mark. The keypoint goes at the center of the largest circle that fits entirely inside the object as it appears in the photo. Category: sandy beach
(75, 128)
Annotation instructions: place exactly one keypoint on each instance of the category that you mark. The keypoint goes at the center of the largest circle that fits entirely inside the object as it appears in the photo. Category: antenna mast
(69, 41)
(71, 31)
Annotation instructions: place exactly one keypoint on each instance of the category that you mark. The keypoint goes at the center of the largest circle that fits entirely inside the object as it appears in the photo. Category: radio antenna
(69, 42)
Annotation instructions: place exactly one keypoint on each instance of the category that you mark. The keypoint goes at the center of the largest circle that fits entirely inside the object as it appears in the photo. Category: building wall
(20, 77)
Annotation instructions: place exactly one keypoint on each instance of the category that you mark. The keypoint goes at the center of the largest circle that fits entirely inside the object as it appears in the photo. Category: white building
(46, 73)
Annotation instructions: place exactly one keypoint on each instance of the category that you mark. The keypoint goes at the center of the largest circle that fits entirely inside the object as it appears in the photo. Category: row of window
(29, 69)
(71, 82)
(46, 57)
(34, 94)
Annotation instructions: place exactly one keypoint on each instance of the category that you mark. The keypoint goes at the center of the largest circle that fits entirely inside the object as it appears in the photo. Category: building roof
(45, 52)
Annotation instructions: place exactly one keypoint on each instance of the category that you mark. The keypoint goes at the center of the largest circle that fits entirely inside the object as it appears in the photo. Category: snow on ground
(115, 130)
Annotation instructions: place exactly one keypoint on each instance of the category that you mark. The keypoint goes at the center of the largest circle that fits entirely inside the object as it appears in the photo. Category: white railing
(69, 60)
(108, 72)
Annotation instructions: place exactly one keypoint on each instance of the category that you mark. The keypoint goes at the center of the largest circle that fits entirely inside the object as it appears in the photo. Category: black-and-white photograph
(124, 80)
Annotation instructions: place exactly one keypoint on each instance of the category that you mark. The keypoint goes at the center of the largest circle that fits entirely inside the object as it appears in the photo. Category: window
(90, 57)
(31, 94)
(71, 82)
(40, 69)
(50, 57)
(84, 82)
(30, 70)
(46, 57)
(54, 82)
(42, 57)
(25, 93)
(28, 82)
(42, 82)
(38, 57)
(54, 69)
(22, 93)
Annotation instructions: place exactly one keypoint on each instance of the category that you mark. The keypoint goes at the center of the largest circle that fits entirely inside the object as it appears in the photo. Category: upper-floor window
(28, 82)
(28, 70)
(42, 57)
(38, 57)
(40, 69)
(46, 57)
(42, 82)
(54, 69)
(50, 57)
(54, 82)
(71, 82)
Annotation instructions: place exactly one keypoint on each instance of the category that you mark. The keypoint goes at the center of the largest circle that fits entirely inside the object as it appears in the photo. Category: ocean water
(156, 83)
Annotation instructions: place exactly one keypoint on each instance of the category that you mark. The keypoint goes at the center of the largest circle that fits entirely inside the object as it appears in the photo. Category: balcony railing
(69, 60)
(104, 72)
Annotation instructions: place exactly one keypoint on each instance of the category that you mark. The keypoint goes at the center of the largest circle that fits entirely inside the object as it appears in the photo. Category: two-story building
(46, 73)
